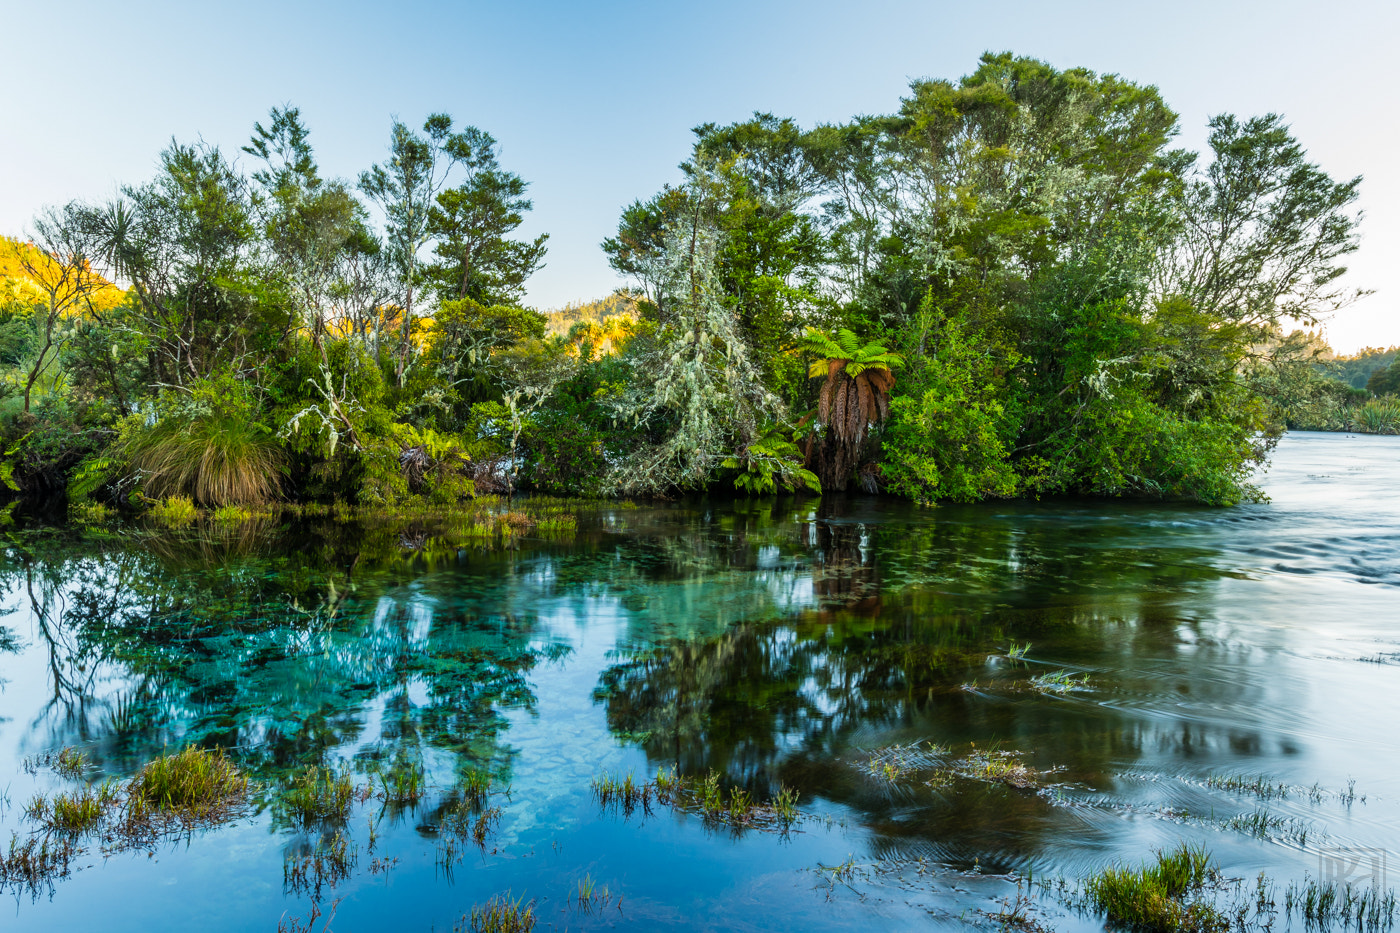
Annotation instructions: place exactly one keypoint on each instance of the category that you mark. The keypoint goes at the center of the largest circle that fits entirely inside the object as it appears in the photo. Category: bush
(208, 447)
(947, 442)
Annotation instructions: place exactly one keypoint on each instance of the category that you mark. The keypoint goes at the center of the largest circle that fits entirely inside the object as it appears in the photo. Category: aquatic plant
(327, 865)
(475, 785)
(402, 784)
(590, 896)
(1161, 897)
(1258, 785)
(315, 794)
(625, 792)
(1059, 682)
(1265, 825)
(36, 861)
(1321, 903)
(196, 780)
(70, 763)
(81, 810)
(500, 914)
(174, 511)
(232, 514)
(562, 526)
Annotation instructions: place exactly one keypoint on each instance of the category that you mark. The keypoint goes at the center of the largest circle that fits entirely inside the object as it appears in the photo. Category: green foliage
(854, 395)
(770, 462)
(1385, 381)
(194, 780)
(90, 475)
(949, 441)
(1160, 897)
(1072, 307)
(174, 511)
(206, 445)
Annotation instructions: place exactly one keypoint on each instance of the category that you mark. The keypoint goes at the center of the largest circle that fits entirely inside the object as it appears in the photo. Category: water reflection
(778, 642)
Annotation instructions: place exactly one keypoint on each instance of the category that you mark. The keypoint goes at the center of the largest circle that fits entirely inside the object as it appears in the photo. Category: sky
(592, 102)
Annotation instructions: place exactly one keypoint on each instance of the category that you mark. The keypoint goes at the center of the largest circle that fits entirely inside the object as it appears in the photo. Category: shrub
(207, 447)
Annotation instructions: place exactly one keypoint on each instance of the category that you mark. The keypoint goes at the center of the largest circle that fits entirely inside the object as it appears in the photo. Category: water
(777, 644)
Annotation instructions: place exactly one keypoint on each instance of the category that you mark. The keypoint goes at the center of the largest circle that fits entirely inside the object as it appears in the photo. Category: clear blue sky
(593, 102)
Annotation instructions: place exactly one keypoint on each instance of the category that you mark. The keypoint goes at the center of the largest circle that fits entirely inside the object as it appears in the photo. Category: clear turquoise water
(780, 642)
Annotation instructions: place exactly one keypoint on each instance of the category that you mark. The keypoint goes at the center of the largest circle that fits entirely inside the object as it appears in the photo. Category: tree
(855, 395)
(60, 267)
(694, 384)
(1385, 381)
(405, 187)
(308, 224)
(471, 223)
(185, 242)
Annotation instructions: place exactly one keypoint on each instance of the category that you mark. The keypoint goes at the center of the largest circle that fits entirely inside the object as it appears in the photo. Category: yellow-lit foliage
(16, 284)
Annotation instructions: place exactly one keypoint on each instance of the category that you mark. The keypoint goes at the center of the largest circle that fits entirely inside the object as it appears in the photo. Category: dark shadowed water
(781, 643)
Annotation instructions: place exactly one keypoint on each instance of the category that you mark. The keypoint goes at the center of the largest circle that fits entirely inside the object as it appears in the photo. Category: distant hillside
(616, 305)
(16, 285)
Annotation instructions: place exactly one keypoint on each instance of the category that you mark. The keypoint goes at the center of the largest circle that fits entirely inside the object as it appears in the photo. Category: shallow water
(780, 644)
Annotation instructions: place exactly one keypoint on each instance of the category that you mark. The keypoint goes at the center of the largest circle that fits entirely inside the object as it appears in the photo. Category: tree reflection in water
(272, 642)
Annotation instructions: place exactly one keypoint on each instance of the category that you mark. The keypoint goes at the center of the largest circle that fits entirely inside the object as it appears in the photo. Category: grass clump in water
(36, 862)
(327, 865)
(77, 812)
(402, 785)
(195, 780)
(624, 792)
(174, 511)
(1161, 897)
(70, 763)
(318, 794)
(500, 915)
(1257, 785)
(1059, 682)
(559, 526)
(1322, 903)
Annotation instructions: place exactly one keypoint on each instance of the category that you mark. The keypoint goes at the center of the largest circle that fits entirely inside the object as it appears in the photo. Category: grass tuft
(215, 458)
(402, 785)
(500, 915)
(195, 780)
(1160, 897)
(174, 511)
(318, 794)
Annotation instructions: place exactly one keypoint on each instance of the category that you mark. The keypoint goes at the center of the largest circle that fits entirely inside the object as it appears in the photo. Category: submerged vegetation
(1010, 285)
(733, 806)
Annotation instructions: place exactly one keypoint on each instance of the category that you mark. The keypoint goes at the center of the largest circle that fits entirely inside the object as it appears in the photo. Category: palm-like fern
(856, 394)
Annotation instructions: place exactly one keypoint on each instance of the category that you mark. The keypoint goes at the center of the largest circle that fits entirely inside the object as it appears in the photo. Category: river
(961, 698)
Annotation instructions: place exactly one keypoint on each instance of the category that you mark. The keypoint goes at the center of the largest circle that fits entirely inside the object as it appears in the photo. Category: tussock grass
(194, 780)
(215, 459)
(1161, 897)
(500, 915)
